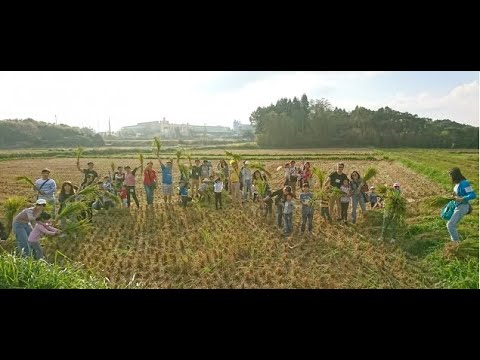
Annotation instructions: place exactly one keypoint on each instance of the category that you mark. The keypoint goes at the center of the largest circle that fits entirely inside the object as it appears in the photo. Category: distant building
(240, 128)
(167, 130)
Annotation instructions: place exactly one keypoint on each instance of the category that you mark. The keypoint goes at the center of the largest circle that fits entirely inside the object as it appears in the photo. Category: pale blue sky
(217, 98)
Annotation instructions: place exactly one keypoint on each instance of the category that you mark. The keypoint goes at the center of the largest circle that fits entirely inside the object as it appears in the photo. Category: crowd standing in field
(244, 184)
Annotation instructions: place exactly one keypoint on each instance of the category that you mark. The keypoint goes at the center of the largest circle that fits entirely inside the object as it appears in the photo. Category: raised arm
(78, 167)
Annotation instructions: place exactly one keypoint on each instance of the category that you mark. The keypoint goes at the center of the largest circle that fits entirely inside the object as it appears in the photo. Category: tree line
(316, 123)
(30, 133)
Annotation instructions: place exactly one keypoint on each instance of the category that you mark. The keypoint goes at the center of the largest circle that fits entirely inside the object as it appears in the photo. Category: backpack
(448, 210)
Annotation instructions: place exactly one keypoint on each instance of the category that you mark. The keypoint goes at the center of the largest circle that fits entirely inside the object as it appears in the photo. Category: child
(217, 189)
(373, 197)
(288, 207)
(203, 190)
(123, 196)
(306, 198)
(324, 204)
(41, 227)
(345, 199)
(183, 191)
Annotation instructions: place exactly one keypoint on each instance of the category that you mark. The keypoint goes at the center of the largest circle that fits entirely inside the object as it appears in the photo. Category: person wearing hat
(46, 188)
(149, 182)
(203, 189)
(167, 180)
(87, 172)
(22, 225)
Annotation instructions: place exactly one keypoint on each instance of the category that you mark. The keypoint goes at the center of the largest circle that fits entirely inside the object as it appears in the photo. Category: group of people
(200, 181)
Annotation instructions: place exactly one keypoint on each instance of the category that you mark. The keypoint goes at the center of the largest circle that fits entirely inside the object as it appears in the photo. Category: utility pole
(109, 127)
(56, 120)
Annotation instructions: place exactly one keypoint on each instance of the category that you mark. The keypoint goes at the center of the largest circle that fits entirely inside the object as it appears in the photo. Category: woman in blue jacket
(462, 193)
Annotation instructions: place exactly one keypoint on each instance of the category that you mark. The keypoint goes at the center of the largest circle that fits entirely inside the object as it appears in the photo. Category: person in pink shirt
(42, 227)
(129, 182)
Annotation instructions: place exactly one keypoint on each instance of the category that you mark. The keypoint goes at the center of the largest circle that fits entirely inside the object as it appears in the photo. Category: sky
(91, 98)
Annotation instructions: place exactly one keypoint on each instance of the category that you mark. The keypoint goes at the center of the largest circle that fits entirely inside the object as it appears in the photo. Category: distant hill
(29, 133)
(316, 123)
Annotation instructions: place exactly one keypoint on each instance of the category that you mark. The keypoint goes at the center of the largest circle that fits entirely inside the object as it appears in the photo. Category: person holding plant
(167, 180)
(129, 182)
(280, 196)
(195, 173)
(234, 185)
(462, 194)
(67, 190)
(149, 182)
(22, 225)
(223, 167)
(395, 208)
(336, 179)
(118, 179)
(87, 172)
(356, 185)
(345, 199)
(42, 227)
(306, 199)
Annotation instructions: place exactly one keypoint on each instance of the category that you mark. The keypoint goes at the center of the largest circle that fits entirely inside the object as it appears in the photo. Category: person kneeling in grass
(42, 227)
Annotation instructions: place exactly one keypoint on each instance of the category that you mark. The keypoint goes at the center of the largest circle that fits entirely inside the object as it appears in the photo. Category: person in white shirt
(217, 189)
(46, 188)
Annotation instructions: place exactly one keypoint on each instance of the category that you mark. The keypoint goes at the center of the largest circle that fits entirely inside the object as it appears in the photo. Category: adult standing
(23, 223)
(87, 172)
(235, 182)
(46, 188)
(167, 180)
(305, 175)
(462, 193)
(195, 176)
(223, 167)
(130, 184)
(293, 177)
(336, 179)
(356, 185)
(280, 196)
(118, 179)
(149, 182)
(246, 175)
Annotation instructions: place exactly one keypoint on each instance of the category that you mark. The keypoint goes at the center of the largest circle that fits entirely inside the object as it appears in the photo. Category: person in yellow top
(234, 182)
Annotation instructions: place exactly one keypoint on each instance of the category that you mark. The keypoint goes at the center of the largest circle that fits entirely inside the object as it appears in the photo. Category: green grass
(454, 273)
(27, 273)
(426, 237)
